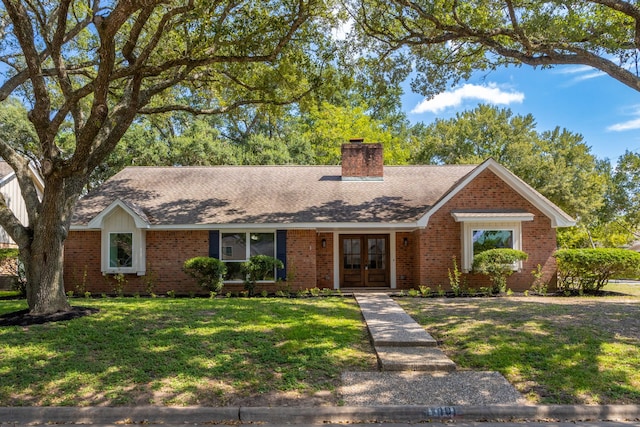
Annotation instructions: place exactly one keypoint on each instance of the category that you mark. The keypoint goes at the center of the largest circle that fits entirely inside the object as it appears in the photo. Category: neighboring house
(13, 197)
(359, 225)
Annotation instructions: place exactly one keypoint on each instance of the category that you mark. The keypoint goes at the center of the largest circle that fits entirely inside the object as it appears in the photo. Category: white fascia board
(8, 177)
(37, 178)
(492, 216)
(96, 223)
(555, 214)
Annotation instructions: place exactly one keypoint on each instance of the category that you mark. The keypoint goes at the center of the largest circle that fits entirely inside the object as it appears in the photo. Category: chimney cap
(356, 140)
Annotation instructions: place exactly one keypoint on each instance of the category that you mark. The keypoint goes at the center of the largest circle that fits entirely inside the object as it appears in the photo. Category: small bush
(259, 267)
(589, 270)
(10, 257)
(425, 291)
(498, 265)
(208, 272)
(454, 278)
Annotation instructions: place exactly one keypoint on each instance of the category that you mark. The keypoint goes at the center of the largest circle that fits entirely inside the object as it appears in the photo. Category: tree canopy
(86, 70)
(450, 39)
(557, 163)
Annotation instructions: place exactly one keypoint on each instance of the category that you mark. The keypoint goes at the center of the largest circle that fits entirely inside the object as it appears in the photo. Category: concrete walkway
(400, 342)
(413, 370)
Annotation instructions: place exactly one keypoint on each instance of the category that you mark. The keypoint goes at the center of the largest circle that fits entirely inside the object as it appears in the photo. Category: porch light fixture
(405, 242)
(324, 243)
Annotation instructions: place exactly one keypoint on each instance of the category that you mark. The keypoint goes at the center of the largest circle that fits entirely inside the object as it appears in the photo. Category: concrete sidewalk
(401, 344)
(22, 416)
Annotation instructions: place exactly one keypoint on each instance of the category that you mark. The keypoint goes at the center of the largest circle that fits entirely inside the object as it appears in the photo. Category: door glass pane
(377, 252)
(351, 253)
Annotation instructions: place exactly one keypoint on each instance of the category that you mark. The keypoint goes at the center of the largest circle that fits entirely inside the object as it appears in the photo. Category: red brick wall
(166, 253)
(405, 260)
(301, 259)
(82, 262)
(441, 240)
(324, 257)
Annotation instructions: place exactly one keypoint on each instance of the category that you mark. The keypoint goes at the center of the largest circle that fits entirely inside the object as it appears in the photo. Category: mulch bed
(24, 318)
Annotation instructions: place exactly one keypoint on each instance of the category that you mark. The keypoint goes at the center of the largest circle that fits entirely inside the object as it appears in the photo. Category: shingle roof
(272, 194)
(5, 169)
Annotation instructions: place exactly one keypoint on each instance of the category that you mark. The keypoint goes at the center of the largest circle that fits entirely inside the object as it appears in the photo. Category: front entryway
(364, 260)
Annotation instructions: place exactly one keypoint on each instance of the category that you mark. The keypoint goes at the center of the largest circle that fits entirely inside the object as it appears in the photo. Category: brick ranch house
(359, 225)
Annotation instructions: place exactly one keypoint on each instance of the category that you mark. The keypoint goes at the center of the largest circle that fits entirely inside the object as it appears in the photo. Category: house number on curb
(442, 411)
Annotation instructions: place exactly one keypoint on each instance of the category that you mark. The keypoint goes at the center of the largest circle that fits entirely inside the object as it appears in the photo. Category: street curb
(312, 414)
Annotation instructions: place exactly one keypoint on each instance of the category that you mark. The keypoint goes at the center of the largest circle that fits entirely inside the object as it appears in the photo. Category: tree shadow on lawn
(181, 352)
(559, 353)
(25, 318)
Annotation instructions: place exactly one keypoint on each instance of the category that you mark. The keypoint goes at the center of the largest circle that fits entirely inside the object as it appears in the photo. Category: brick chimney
(362, 162)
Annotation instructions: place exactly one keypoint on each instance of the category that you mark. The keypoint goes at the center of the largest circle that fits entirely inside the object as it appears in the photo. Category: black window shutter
(281, 253)
(214, 244)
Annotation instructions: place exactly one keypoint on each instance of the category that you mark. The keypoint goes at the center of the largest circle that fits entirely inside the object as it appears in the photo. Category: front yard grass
(554, 350)
(265, 351)
(185, 352)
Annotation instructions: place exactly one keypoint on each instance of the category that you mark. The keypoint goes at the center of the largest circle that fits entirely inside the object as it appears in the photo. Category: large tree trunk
(44, 257)
(43, 269)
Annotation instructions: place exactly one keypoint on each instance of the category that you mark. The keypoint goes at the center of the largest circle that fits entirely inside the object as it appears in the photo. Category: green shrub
(589, 270)
(11, 258)
(208, 272)
(454, 278)
(498, 265)
(259, 267)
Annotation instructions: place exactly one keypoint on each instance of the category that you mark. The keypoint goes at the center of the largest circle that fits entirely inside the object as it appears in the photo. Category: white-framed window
(489, 230)
(478, 237)
(237, 247)
(121, 250)
(123, 244)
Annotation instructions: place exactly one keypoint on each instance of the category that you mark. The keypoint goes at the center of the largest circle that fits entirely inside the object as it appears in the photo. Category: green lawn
(554, 350)
(259, 351)
(624, 288)
(183, 352)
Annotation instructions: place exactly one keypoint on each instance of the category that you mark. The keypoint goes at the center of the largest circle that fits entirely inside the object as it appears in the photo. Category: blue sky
(582, 100)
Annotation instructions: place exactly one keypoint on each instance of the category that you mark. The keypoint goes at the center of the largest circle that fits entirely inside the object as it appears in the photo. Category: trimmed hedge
(208, 272)
(589, 270)
(498, 265)
(259, 267)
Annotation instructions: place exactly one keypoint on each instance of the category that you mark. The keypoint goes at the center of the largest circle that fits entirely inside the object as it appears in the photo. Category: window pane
(234, 246)
(262, 244)
(234, 271)
(120, 250)
(491, 239)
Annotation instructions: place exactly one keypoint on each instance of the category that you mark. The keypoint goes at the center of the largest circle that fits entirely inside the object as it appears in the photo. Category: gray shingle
(272, 194)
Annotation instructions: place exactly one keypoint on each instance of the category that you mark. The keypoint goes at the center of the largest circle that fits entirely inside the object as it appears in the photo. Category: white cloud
(628, 125)
(631, 124)
(579, 73)
(490, 94)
